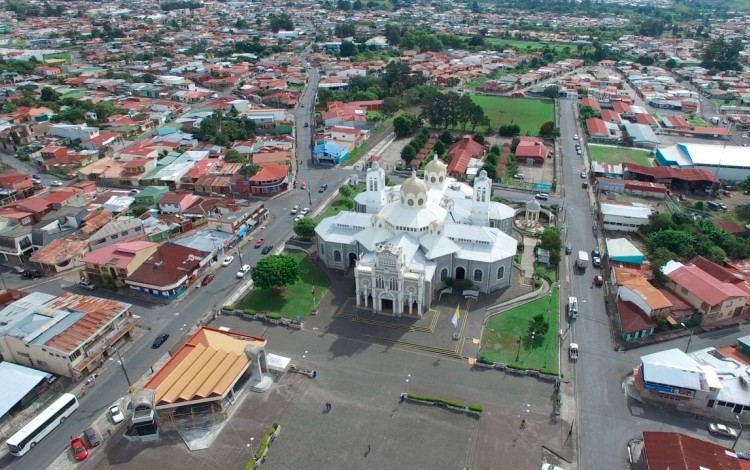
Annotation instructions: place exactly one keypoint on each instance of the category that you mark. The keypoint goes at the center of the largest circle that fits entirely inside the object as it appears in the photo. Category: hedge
(263, 446)
(440, 401)
(273, 316)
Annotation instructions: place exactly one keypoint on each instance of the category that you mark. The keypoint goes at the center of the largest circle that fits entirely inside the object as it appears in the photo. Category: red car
(79, 450)
(303, 185)
(207, 279)
(260, 242)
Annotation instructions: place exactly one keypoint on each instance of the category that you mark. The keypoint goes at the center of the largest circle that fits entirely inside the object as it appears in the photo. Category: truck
(715, 120)
(583, 260)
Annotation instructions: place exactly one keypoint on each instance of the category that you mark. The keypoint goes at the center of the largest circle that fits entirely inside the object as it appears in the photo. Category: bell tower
(480, 203)
(375, 181)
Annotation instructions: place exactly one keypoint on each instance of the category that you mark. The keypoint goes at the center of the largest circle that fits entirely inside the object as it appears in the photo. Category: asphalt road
(178, 317)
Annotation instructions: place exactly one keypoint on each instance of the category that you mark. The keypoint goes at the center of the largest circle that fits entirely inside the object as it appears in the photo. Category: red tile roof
(591, 103)
(168, 265)
(118, 255)
(663, 172)
(632, 318)
(270, 173)
(622, 107)
(609, 115)
(718, 272)
(596, 127)
(677, 451)
(645, 119)
(704, 286)
(461, 154)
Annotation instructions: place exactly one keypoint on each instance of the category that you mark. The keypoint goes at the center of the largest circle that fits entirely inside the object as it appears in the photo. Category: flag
(456, 316)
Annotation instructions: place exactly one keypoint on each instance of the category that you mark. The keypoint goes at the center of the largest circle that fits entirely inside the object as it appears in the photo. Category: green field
(531, 46)
(295, 300)
(606, 154)
(528, 113)
(505, 341)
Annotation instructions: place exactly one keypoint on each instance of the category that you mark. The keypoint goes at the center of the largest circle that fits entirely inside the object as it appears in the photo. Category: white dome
(533, 205)
(413, 191)
(435, 166)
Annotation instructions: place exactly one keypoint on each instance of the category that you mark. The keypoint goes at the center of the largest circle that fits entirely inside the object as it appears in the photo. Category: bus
(43, 424)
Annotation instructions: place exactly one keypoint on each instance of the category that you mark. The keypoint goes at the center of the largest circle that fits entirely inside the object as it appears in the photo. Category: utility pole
(739, 433)
(122, 365)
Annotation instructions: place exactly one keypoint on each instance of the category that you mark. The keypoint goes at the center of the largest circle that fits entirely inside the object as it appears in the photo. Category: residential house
(330, 152)
(112, 264)
(69, 335)
(61, 254)
(61, 223)
(597, 128)
(714, 299)
(169, 271)
(531, 151)
(116, 231)
(175, 202)
(624, 216)
(346, 134)
(239, 221)
(149, 196)
(638, 302)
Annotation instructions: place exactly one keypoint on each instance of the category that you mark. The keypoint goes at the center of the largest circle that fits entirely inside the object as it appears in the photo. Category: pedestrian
(369, 448)
(83, 392)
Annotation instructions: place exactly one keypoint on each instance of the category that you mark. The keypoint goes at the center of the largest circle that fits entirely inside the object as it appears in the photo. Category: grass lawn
(296, 300)
(606, 154)
(528, 113)
(500, 342)
(530, 46)
(697, 122)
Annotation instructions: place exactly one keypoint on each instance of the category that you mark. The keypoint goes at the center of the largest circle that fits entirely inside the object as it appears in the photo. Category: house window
(125, 233)
(501, 272)
(322, 250)
(444, 274)
(477, 275)
(379, 282)
(337, 256)
(393, 283)
(683, 290)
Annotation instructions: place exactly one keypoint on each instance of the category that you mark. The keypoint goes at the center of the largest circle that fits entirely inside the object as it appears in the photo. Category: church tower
(480, 204)
(376, 196)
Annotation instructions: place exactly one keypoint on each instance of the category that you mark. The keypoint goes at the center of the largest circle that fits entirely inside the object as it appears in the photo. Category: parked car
(92, 437)
(294, 210)
(518, 176)
(598, 281)
(542, 196)
(32, 274)
(322, 188)
(568, 249)
(56, 183)
(299, 217)
(595, 253)
(18, 270)
(79, 450)
(583, 174)
(575, 137)
(578, 151)
(573, 351)
(227, 261)
(596, 261)
(585, 184)
(116, 414)
(86, 284)
(721, 430)
(266, 249)
(243, 270)
(207, 280)
(305, 211)
(303, 185)
(682, 197)
(36, 181)
(307, 124)
(259, 242)
(133, 192)
(161, 339)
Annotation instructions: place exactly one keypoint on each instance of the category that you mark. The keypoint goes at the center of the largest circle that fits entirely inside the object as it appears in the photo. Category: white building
(405, 242)
(624, 216)
(727, 162)
(73, 132)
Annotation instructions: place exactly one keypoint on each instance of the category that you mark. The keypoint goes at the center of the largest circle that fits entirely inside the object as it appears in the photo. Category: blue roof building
(329, 151)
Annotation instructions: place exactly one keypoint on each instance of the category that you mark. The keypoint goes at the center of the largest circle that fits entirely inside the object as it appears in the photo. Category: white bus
(43, 424)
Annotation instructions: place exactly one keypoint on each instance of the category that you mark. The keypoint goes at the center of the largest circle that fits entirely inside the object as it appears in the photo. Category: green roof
(154, 192)
(168, 160)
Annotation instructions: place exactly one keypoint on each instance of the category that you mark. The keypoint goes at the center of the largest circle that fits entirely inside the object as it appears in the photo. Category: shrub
(250, 312)
(264, 442)
(273, 316)
(228, 307)
(477, 408)
(484, 360)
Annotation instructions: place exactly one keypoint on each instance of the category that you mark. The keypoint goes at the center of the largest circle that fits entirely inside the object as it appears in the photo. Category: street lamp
(250, 446)
(122, 365)
(408, 376)
(689, 337)
(304, 356)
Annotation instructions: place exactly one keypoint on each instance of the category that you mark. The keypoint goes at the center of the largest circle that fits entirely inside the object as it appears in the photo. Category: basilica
(404, 242)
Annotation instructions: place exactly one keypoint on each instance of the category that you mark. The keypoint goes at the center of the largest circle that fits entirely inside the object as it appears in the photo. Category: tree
(645, 60)
(552, 91)
(447, 138)
(275, 272)
(233, 156)
(250, 169)
(659, 258)
(440, 148)
(391, 105)
(346, 191)
(408, 153)
(670, 63)
(661, 221)
(305, 227)
(588, 112)
(745, 185)
(547, 129)
(509, 130)
(49, 95)
(722, 55)
(538, 327)
(347, 49)
(551, 241)
(405, 124)
(676, 241)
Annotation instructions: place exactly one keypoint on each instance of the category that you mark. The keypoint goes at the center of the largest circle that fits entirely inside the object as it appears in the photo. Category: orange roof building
(206, 369)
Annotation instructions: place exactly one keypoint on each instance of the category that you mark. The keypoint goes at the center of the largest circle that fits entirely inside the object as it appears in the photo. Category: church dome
(413, 191)
(377, 221)
(533, 206)
(435, 166)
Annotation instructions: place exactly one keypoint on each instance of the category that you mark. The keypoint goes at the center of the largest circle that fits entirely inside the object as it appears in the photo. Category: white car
(573, 351)
(299, 217)
(305, 211)
(583, 174)
(243, 270)
(56, 183)
(721, 430)
(575, 137)
(294, 210)
(227, 261)
(116, 414)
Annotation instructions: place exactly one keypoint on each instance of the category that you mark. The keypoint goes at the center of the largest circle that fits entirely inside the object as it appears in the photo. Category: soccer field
(530, 114)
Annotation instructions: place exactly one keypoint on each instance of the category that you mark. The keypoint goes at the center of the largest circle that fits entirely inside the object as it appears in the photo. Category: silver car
(721, 430)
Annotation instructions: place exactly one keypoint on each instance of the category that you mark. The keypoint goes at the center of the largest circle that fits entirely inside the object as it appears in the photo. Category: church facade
(405, 242)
